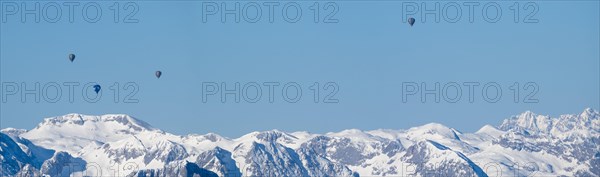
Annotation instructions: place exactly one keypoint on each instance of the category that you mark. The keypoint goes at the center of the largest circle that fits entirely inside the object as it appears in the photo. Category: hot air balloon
(158, 74)
(71, 57)
(97, 88)
(411, 21)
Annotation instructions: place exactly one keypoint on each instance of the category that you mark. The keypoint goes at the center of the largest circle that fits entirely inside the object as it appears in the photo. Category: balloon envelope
(71, 57)
(158, 74)
(97, 88)
(411, 21)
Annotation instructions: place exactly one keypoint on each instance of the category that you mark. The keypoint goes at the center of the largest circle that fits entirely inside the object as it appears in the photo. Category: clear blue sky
(369, 54)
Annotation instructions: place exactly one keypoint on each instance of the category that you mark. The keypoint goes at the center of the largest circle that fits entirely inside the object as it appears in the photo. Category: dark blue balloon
(71, 57)
(411, 21)
(97, 88)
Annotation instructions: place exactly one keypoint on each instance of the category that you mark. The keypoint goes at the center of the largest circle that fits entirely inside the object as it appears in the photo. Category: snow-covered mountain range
(119, 145)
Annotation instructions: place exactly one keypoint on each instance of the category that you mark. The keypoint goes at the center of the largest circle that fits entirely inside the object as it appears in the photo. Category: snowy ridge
(522, 145)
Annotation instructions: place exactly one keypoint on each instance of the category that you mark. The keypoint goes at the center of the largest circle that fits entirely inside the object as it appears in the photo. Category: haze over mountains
(119, 145)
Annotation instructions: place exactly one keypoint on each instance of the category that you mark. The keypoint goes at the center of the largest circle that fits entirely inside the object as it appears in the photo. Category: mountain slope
(120, 145)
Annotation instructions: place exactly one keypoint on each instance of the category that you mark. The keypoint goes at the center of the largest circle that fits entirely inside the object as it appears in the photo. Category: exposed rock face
(523, 145)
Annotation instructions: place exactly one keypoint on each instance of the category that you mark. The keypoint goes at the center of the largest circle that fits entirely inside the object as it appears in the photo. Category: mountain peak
(13, 131)
(352, 134)
(76, 131)
(273, 135)
(528, 120)
(532, 122)
(432, 127)
(433, 131)
(589, 113)
(81, 119)
(489, 130)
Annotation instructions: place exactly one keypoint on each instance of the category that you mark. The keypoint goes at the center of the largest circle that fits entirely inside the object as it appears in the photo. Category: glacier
(527, 144)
